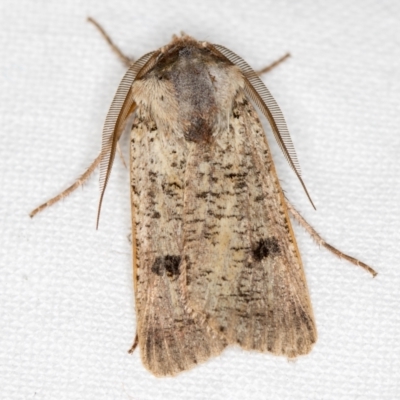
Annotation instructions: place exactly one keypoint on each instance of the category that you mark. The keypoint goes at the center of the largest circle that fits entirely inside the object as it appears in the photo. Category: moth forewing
(171, 337)
(243, 269)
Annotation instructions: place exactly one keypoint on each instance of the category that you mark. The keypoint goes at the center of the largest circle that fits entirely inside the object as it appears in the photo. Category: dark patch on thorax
(195, 94)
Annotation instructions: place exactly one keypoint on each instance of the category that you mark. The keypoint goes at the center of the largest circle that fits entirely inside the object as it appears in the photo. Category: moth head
(161, 62)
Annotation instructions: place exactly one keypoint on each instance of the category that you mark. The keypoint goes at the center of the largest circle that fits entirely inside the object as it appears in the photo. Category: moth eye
(163, 76)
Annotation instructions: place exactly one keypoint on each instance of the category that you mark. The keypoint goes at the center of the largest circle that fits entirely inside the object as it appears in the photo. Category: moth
(215, 258)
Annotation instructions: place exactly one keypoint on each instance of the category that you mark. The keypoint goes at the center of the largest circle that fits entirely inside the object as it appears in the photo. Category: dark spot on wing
(168, 264)
(266, 247)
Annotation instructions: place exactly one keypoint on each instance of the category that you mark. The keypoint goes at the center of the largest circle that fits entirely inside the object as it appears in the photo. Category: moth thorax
(195, 94)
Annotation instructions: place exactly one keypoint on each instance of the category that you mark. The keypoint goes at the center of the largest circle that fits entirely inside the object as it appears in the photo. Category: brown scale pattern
(257, 299)
(216, 258)
(170, 339)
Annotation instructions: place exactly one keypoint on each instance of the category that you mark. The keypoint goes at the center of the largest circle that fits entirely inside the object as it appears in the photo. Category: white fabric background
(66, 297)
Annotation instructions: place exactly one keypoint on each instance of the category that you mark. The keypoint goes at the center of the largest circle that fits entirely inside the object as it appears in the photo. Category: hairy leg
(85, 176)
(319, 240)
(79, 182)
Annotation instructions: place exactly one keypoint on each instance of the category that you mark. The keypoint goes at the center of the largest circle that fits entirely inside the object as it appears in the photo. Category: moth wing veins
(242, 268)
(171, 338)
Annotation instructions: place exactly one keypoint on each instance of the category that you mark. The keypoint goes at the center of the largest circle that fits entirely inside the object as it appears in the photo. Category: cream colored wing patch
(170, 339)
(241, 267)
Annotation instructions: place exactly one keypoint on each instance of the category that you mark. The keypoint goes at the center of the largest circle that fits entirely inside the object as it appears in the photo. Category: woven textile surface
(66, 294)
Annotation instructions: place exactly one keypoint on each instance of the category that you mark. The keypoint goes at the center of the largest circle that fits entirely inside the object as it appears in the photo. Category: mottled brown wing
(243, 269)
(170, 339)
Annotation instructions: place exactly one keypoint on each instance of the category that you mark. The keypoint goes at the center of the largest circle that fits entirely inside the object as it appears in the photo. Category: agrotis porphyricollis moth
(215, 259)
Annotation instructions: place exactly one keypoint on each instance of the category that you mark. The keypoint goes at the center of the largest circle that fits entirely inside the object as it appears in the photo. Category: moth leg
(273, 65)
(125, 59)
(320, 241)
(121, 155)
(79, 182)
(135, 343)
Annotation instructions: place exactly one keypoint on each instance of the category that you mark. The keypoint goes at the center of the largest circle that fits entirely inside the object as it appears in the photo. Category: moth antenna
(121, 107)
(262, 97)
